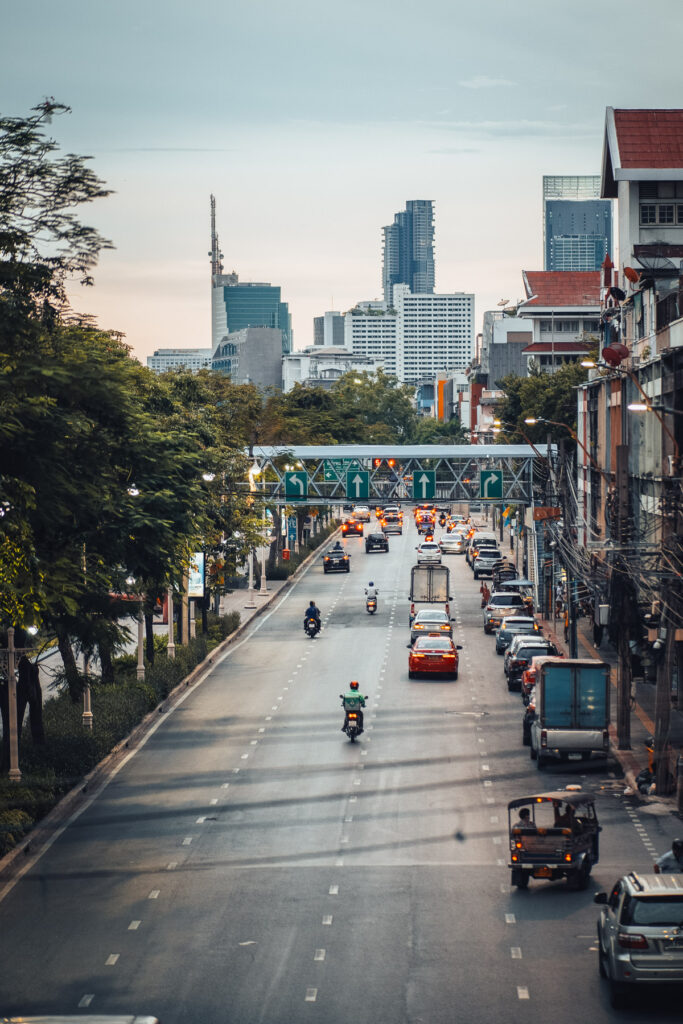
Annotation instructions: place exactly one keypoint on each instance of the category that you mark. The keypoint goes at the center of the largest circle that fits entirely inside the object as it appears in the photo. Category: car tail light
(445, 626)
(449, 656)
(544, 737)
(605, 739)
(627, 941)
(568, 856)
(418, 654)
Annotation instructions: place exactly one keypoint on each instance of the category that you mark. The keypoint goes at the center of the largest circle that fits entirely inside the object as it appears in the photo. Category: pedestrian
(485, 594)
(597, 634)
(671, 862)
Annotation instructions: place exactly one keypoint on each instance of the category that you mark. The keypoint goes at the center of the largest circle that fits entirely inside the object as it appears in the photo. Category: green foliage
(550, 396)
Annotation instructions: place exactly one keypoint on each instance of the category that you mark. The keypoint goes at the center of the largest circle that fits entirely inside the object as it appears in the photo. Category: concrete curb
(96, 779)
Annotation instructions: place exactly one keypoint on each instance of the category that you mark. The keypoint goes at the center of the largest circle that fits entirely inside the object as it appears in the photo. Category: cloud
(520, 129)
(484, 82)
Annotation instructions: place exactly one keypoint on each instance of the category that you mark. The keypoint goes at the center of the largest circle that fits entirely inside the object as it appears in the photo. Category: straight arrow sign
(424, 484)
(358, 484)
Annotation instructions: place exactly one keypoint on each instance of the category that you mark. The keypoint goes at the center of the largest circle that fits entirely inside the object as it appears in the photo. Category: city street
(249, 864)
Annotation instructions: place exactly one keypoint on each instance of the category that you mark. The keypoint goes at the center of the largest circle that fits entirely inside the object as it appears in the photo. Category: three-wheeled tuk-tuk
(553, 835)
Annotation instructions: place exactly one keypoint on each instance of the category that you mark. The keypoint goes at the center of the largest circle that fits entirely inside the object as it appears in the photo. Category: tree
(550, 396)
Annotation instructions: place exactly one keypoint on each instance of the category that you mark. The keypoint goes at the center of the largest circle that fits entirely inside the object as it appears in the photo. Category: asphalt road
(248, 864)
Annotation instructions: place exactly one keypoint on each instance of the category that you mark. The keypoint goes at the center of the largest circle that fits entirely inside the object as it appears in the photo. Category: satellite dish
(657, 264)
(617, 294)
(615, 354)
(631, 275)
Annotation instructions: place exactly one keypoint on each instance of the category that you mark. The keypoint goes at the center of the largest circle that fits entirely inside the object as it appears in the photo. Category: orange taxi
(433, 653)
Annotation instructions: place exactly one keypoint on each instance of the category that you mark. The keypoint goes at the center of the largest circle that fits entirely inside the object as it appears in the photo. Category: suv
(484, 562)
(336, 560)
(519, 654)
(392, 523)
(640, 933)
(376, 542)
(500, 605)
(361, 513)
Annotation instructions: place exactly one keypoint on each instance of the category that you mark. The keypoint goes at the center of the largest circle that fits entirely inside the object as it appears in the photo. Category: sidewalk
(643, 713)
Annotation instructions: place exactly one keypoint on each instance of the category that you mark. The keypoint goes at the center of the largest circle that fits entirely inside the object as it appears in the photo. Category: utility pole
(619, 569)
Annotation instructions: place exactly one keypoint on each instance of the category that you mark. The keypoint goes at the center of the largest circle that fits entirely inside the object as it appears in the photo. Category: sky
(312, 123)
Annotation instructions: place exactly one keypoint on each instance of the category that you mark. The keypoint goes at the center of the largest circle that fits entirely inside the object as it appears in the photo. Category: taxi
(433, 654)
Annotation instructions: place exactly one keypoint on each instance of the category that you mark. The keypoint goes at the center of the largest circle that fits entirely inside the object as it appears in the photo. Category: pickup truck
(572, 709)
(429, 585)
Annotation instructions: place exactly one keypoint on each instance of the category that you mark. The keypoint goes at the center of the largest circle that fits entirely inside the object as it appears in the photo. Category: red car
(433, 654)
(351, 528)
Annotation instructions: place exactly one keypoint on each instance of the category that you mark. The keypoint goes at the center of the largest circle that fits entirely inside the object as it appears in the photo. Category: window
(660, 213)
(666, 213)
(648, 214)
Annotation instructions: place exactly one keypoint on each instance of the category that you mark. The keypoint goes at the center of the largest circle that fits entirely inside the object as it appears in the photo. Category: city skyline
(313, 134)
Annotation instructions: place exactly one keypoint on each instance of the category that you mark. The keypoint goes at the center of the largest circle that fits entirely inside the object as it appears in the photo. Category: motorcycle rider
(353, 701)
(371, 590)
(312, 612)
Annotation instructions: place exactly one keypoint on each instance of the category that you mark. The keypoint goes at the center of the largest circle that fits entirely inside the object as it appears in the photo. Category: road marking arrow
(357, 480)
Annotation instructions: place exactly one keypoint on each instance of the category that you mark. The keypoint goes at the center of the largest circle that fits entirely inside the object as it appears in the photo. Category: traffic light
(391, 463)
(376, 463)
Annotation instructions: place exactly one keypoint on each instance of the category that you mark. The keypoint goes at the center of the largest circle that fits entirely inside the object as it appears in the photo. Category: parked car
(376, 542)
(433, 654)
(510, 626)
(336, 560)
(428, 551)
(528, 717)
(639, 933)
(498, 606)
(430, 620)
(484, 561)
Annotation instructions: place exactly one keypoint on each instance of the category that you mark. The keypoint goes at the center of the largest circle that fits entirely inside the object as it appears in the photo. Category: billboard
(196, 575)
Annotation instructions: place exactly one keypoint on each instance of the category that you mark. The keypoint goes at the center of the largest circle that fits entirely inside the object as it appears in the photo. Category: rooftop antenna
(215, 254)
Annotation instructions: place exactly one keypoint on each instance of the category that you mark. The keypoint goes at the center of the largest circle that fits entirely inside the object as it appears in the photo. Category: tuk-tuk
(553, 835)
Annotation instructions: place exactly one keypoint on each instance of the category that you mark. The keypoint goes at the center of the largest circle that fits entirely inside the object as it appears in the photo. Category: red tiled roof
(560, 347)
(649, 138)
(557, 288)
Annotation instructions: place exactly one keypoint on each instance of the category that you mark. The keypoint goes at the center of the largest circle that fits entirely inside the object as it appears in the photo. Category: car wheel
(533, 753)
(411, 674)
(617, 995)
(454, 676)
(520, 879)
(326, 571)
(602, 959)
(487, 630)
(476, 575)
(526, 738)
(540, 762)
(348, 568)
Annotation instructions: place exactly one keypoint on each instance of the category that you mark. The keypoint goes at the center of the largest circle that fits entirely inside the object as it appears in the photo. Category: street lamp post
(170, 646)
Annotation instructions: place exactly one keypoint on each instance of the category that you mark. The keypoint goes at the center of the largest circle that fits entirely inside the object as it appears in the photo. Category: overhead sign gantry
(334, 474)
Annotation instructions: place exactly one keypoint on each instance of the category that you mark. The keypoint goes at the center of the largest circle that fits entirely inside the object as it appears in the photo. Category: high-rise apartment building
(409, 249)
(577, 223)
(192, 359)
(370, 330)
(435, 333)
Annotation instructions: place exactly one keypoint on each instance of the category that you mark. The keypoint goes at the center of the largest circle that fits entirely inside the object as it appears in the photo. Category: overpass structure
(337, 474)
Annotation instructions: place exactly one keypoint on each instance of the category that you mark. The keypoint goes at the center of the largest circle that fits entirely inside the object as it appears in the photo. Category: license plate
(574, 757)
(543, 873)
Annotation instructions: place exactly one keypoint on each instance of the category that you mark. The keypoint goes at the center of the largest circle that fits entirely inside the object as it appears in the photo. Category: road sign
(296, 485)
(358, 484)
(491, 484)
(424, 484)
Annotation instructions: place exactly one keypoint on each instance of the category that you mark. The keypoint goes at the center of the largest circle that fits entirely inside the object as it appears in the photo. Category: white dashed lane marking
(134, 925)
(522, 992)
(111, 959)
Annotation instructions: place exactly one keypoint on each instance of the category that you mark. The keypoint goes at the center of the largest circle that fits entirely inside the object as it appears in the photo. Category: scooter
(352, 726)
(371, 605)
(312, 627)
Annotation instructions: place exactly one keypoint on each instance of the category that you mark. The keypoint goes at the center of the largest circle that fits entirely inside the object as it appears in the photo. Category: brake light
(544, 737)
(568, 856)
(605, 739)
(449, 657)
(445, 626)
(353, 714)
(627, 941)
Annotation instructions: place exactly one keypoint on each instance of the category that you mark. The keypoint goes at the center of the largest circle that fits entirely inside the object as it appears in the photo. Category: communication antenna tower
(215, 254)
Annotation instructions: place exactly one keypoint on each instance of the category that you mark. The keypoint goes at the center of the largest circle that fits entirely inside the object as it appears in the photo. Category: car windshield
(431, 617)
(431, 546)
(434, 643)
(506, 601)
(531, 652)
(519, 627)
(653, 910)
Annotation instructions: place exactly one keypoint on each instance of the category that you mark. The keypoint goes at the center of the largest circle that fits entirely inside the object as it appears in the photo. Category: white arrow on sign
(492, 478)
(357, 480)
(424, 480)
(298, 481)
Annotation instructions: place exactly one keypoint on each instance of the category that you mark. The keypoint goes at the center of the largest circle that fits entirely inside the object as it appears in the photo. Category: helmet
(676, 846)
(354, 684)
(371, 584)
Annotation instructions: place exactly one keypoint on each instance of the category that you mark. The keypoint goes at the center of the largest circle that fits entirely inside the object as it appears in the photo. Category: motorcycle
(311, 627)
(371, 605)
(352, 726)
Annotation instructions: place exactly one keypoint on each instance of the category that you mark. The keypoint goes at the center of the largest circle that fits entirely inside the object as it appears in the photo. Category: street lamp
(263, 590)
(555, 423)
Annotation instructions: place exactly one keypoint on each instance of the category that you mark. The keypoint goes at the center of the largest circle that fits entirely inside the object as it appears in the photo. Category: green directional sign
(491, 484)
(358, 484)
(424, 484)
(296, 485)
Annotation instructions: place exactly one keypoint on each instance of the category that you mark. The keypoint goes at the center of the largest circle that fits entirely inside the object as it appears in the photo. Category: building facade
(577, 223)
(322, 366)
(328, 329)
(435, 333)
(408, 249)
(251, 356)
(236, 305)
(371, 332)
(193, 359)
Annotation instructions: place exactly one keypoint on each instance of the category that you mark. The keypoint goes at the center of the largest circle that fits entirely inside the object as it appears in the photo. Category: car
(451, 544)
(391, 522)
(478, 541)
(483, 563)
(361, 513)
(519, 654)
(336, 560)
(639, 933)
(528, 718)
(428, 552)
(392, 510)
(511, 625)
(376, 542)
(430, 620)
(433, 654)
(498, 606)
(352, 528)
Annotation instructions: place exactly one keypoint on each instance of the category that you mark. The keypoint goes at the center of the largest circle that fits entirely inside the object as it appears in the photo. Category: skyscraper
(577, 224)
(409, 249)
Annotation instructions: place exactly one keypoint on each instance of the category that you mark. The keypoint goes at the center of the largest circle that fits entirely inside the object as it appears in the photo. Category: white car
(452, 544)
(361, 513)
(428, 552)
